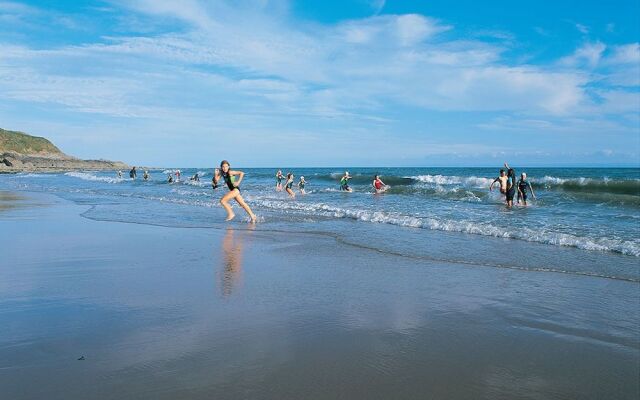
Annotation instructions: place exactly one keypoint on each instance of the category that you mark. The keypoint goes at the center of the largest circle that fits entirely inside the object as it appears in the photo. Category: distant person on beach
(195, 178)
(523, 185)
(344, 182)
(301, 185)
(289, 185)
(225, 173)
(169, 178)
(133, 174)
(120, 174)
(279, 178)
(145, 176)
(378, 185)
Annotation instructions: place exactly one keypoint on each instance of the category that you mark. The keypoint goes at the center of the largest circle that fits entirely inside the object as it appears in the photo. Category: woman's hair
(376, 177)
(223, 162)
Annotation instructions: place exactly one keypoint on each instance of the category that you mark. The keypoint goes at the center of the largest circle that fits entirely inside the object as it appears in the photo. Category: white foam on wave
(32, 175)
(90, 177)
(473, 181)
(462, 226)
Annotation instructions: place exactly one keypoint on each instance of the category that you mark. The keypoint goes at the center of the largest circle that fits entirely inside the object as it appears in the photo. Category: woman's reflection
(231, 272)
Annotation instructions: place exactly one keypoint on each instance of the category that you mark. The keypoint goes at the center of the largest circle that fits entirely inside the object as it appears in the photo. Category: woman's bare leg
(246, 207)
(224, 201)
(290, 192)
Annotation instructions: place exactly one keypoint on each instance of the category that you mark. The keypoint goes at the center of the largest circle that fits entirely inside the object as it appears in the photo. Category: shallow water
(584, 220)
(110, 310)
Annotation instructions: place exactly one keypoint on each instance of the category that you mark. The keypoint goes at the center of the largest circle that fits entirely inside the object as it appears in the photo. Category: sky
(326, 83)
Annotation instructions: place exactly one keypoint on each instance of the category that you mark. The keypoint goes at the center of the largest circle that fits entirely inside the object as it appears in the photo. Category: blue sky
(326, 83)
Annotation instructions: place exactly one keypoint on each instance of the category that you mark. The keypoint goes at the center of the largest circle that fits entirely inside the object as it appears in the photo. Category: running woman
(225, 173)
(289, 184)
(279, 178)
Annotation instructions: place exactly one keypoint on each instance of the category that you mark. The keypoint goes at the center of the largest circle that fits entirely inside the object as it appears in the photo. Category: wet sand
(108, 310)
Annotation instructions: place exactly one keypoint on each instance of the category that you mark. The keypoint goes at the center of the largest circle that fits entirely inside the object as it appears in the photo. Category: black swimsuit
(227, 180)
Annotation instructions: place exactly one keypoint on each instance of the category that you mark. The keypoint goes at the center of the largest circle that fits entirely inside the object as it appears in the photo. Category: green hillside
(25, 144)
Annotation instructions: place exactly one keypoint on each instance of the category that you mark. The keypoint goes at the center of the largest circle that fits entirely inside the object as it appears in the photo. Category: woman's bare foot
(253, 218)
(230, 217)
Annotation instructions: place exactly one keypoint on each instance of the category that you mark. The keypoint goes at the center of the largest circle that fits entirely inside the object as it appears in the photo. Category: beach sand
(109, 310)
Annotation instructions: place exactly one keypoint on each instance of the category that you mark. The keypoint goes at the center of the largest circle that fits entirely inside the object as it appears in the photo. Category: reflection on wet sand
(231, 271)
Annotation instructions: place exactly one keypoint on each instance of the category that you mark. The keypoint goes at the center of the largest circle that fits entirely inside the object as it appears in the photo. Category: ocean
(585, 220)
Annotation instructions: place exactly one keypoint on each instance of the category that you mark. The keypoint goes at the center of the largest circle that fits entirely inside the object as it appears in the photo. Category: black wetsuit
(290, 185)
(522, 186)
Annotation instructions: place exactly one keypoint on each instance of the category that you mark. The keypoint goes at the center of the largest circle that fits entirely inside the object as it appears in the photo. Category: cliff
(20, 152)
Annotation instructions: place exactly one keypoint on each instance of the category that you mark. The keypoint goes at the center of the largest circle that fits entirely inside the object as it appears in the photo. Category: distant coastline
(21, 152)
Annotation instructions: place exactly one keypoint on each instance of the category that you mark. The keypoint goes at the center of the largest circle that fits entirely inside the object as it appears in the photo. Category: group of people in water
(509, 185)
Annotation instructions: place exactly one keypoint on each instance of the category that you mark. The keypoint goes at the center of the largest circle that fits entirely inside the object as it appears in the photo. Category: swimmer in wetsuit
(289, 185)
(228, 176)
(523, 185)
(279, 178)
(344, 182)
(301, 185)
(145, 176)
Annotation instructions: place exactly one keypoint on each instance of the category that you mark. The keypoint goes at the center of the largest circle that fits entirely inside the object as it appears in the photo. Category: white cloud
(251, 64)
(582, 29)
(626, 54)
(589, 54)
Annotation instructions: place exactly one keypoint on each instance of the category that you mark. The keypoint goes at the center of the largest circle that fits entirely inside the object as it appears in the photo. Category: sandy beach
(106, 310)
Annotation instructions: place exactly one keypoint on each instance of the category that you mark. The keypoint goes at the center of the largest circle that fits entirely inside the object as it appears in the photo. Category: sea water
(584, 220)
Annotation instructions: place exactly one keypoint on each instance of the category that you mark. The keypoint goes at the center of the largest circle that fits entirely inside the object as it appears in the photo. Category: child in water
(301, 185)
(289, 184)
(145, 176)
(228, 176)
(523, 185)
(378, 185)
(169, 178)
(344, 182)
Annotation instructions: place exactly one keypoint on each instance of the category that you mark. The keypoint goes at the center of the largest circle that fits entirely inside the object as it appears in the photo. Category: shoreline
(164, 312)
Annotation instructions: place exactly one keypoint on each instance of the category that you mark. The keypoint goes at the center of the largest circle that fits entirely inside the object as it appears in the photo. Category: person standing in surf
(133, 173)
(279, 178)
(502, 180)
(301, 185)
(511, 185)
(523, 185)
(145, 176)
(229, 177)
(378, 185)
(288, 186)
(344, 182)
